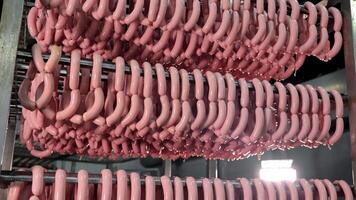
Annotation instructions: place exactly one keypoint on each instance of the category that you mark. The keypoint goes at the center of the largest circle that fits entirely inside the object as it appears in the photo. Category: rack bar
(10, 26)
(349, 32)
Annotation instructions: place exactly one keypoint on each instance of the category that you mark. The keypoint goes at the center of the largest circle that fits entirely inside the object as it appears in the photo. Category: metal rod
(213, 170)
(167, 168)
(348, 8)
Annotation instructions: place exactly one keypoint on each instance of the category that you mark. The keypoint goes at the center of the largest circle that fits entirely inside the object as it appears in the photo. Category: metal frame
(10, 26)
(348, 8)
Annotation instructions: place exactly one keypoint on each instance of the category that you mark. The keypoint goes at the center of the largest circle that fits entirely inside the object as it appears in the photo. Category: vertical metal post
(348, 7)
(168, 168)
(10, 26)
(9, 146)
(213, 169)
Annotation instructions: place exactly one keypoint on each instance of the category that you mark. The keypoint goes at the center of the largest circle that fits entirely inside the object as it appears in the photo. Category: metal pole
(168, 168)
(213, 171)
(348, 7)
(10, 26)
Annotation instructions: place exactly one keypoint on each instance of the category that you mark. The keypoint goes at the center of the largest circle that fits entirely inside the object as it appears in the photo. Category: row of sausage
(248, 40)
(134, 115)
(129, 186)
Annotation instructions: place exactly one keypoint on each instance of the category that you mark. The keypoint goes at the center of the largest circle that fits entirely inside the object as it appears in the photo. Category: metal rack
(10, 32)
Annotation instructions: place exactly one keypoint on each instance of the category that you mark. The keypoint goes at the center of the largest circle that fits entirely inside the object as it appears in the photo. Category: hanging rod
(110, 66)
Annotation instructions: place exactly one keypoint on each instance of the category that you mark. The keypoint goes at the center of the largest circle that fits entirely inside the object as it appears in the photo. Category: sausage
(150, 188)
(192, 188)
(178, 189)
(219, 189)
(167, 188)
(60, 185)
(106, 178)
(122, 189)
(83, 187)
(207, 189)
(37, 180)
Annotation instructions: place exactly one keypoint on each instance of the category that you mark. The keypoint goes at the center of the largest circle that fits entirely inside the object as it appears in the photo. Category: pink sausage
(122, 189)
(294, 128)
(282, 93)
(119, 109)
(147, 114)
(52, 63)
(15, 189)
(270, 190)
(186, 114)
(322, 194)
(192, 188)
(245, 23)
(212, 114)
(314, 98)
(213, 89)
(240, 128)
(177, 16)
(208, 189)
(167, 188)
(259, 125)
(283, 123)
(96, 71)
(60, 185)
(325, 127)
(281, 191)
(178, 45)
(259, 92)
(262, 28)
(119, 10)
(72, 107)
(175, 114)
(148, 81)
(153, 9)
(174, 82)
(219, 189)
(244, 101)
(221, 86)
(246, 188)
(119, 74)
(338, 132)
(194, 17)
(230, 191)
(225, 24)
(294, 107)
(135, 186)
(293, 192)
(325, 100)
(185, 85)
(37, 58)
(331, 189)
(162, 85)
(200, 117)
(102, 10)
(106, 181)
(222, 111)
(339, 104)
(83, 187)
(199, 85)
(161, 13)
(178, 189)
(209, 23)
(308, 193)
(97, 106)
(133, 112)
(135, 77)
(346, 189)
(31, 21)
(37, 180)
(150, 191)
(165, 110)
(230, 116)
(234, 29)
(137, 10)
(259, 188)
